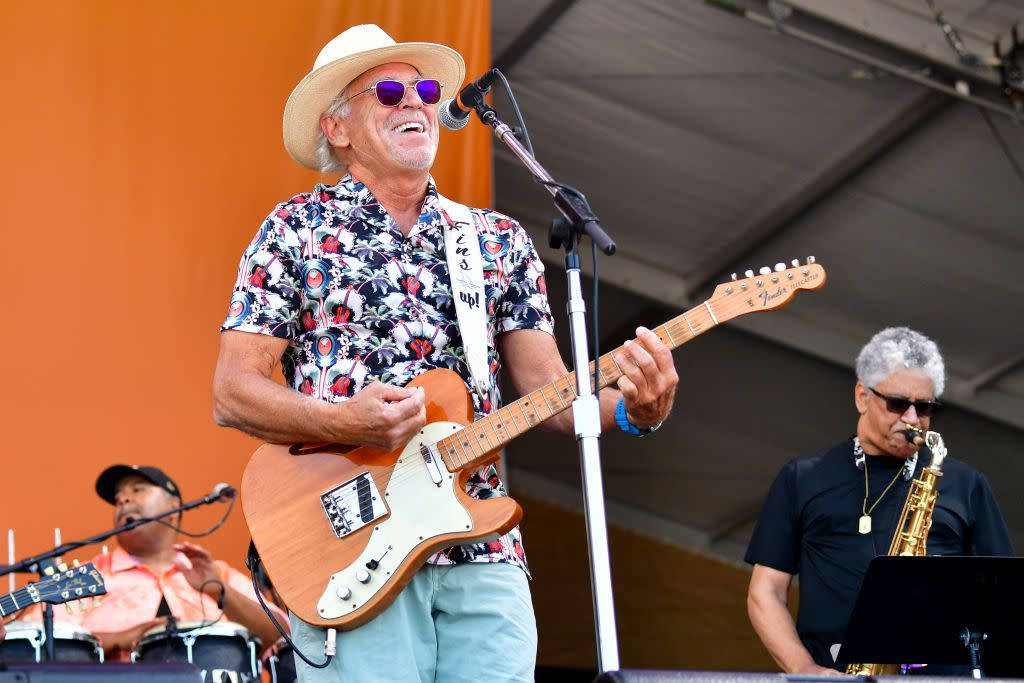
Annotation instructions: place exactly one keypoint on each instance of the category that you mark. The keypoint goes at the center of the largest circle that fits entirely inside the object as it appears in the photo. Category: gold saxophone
(911, 533)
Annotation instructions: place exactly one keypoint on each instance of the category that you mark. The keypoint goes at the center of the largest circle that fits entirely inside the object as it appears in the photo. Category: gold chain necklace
(864, 525)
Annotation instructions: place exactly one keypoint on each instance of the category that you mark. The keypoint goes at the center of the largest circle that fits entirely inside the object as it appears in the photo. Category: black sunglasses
(899, 405)
(390, 92)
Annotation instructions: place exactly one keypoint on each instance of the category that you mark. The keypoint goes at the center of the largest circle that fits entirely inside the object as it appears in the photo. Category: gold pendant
(865, 524)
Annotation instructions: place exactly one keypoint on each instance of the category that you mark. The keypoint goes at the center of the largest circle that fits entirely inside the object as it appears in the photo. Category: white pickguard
(420, 510)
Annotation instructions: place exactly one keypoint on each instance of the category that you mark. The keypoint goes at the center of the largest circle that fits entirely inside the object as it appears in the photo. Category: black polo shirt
(809, 527)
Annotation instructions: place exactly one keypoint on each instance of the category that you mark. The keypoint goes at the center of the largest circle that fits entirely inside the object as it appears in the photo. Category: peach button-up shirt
(134, 592)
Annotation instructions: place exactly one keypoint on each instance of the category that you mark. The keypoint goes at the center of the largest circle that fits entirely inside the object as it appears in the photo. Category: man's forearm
(269, 411)
(774, 626)
(241, 609)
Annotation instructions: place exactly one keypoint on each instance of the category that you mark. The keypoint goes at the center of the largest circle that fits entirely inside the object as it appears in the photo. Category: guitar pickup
(353, 505)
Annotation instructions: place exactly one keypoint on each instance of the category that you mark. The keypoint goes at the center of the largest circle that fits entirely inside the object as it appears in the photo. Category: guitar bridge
(353, 505)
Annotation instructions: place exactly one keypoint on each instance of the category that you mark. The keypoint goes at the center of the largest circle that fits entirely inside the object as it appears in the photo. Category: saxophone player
(827, 515)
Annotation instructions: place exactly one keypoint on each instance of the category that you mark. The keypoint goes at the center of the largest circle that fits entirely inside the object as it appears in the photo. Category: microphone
(453, 114)
(129, 519)
(222, 492)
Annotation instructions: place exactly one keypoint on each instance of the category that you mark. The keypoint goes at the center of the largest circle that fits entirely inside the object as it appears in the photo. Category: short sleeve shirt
(809, 527)
(359, 302)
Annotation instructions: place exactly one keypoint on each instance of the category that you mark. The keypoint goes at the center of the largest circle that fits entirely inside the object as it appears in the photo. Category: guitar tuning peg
(62, 566)
(779, 267)
(765, 270)
(75, 564)
(81, 606)
(67, 606)
(48, 571)
(810, 260)
(734, 276)
(96, 602)
(749, 273)
(795, 262)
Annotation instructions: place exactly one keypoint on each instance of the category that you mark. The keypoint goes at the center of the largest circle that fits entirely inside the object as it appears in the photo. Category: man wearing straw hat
(348, 288)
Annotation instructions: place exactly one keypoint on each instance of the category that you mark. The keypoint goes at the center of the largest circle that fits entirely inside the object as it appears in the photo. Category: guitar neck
(473, 445)
(12, 602)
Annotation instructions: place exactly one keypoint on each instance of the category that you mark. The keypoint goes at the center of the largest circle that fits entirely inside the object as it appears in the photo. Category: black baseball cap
(106, 483)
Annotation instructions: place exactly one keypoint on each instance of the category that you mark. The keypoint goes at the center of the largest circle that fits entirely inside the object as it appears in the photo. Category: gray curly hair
(326, 157)
(896, 348)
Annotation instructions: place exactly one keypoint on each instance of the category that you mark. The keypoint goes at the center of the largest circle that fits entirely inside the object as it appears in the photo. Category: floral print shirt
(359, 302)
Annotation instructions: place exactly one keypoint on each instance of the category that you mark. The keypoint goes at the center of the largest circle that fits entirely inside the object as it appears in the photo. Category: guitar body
(342, 530)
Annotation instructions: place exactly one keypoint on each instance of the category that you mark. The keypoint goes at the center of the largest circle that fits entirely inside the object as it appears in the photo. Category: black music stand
(935, 610)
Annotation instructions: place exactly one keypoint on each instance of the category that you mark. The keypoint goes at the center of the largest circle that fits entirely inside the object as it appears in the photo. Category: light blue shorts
(467, 622)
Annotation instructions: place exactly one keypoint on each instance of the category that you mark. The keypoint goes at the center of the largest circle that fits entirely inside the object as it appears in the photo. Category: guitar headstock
(69, 583)
(769, 289)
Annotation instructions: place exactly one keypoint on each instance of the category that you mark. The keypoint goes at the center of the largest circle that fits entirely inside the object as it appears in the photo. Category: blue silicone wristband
(623, 421)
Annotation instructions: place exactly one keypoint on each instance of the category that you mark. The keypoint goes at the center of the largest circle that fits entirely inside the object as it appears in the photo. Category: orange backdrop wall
(141, 150)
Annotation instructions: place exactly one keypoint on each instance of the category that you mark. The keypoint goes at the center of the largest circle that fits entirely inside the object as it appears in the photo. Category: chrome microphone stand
(566, 233)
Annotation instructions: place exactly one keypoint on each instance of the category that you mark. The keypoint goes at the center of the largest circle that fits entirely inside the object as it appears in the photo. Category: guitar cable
(253, 563)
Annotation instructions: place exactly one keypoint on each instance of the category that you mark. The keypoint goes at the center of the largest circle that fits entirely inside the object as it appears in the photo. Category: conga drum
(25, 642)
(225, 652)
(280, 662)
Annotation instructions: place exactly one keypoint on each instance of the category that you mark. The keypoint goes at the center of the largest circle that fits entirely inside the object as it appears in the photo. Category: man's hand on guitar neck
(649, 379)
(381, 416)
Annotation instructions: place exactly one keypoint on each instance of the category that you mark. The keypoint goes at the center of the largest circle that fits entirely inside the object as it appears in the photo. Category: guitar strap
(462, 248)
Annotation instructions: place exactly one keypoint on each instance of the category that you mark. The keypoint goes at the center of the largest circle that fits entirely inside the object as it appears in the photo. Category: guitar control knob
(344, 592)
(363, 576)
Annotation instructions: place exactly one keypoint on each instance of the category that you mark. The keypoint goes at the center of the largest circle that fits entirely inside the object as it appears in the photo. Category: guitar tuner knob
(734, 276)
(765, 270)
(344, 592)
(779, 267)
(749, 273)
(810, 260)
(795, 262)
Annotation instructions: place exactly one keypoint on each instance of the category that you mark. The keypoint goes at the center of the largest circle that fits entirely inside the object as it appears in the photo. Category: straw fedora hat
(349, 54)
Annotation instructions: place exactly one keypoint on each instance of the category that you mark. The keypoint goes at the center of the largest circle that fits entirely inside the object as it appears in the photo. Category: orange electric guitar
(342, 530)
